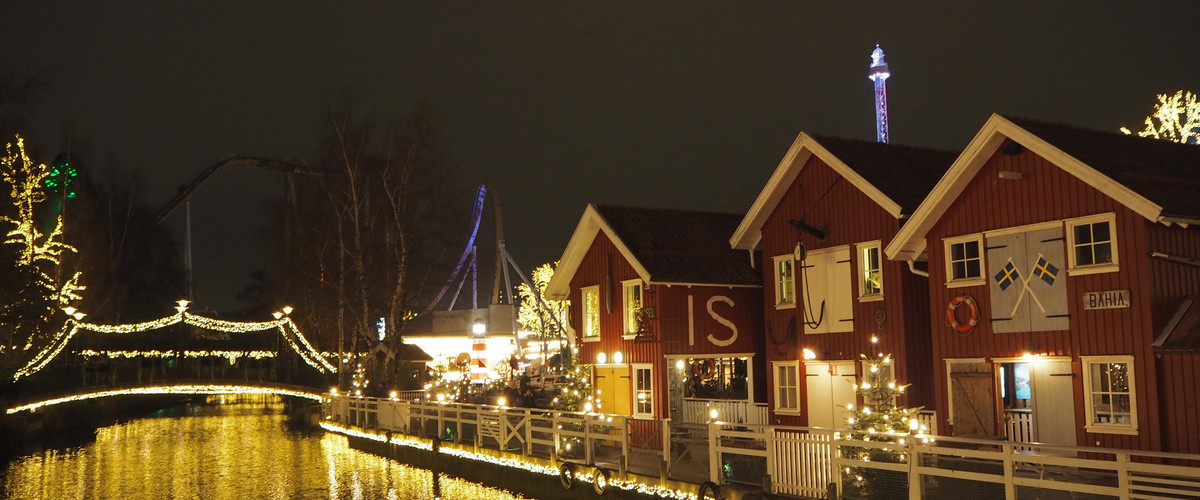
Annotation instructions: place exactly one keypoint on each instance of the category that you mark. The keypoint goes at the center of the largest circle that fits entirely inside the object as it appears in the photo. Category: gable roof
(896, 177)
(1157, 179)
(662, 245)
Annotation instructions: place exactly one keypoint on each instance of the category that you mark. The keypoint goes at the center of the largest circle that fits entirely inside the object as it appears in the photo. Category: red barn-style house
(1061, 262)
(821, 223)
(669, 314)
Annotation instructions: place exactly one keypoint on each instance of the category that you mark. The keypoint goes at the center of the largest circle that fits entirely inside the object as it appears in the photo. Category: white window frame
(629, 325)
(863, 271)
(587, 320)
(947, 243)
(779, 282)
(1074, 269)
(648, 392)
(794, 366)
(1091, 424)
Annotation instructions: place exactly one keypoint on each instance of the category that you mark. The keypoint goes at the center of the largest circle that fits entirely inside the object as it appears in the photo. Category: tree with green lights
(31, 258)
(879, 420)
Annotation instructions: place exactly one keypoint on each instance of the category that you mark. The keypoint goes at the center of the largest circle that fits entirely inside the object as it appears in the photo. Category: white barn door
(1053, 402)
(830, 390)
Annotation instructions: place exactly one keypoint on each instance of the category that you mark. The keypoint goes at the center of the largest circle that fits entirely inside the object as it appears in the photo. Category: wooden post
(1010, 488)
(914, 461)
(587, 440)
(714, 455)
(664, 464)
(624, 446)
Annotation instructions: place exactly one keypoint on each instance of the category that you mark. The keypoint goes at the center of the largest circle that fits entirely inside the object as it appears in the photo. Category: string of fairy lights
(215, 389)
(402, 440)
(232, 356)
(287, 329)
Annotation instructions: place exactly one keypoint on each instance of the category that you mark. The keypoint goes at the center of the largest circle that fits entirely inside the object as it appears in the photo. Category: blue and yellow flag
(1007, 276)
(1045, 270)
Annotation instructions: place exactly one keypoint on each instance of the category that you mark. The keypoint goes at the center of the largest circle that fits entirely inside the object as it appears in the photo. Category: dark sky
(558, 104)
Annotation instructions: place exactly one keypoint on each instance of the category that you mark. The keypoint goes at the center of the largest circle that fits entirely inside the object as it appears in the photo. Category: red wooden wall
(848, 216)
(1046, 193)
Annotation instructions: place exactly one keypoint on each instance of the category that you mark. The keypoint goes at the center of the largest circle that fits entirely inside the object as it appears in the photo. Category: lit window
(591, 313)
(1092, 243)
(643, 391)
(1109, 394)
(633, 303)
(787, 387)
(870, 271)
(785, 281)
(964, 261)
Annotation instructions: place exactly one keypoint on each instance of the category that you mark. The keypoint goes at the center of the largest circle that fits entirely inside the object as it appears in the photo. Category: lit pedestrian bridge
(183, 353)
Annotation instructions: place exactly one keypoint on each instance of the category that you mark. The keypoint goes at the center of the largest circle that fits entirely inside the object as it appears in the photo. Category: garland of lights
(169, 389)
(628, 485)
(307, 353)
(232, 356)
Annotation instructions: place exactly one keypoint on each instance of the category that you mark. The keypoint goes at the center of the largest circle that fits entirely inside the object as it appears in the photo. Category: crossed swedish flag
(1007, 276)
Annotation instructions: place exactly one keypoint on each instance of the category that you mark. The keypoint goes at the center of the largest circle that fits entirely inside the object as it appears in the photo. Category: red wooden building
(669, 314)
(1069, 255)
(820, 224)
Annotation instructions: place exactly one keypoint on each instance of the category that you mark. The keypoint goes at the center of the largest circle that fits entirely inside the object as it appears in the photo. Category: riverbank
(76, 423)
(531, 477)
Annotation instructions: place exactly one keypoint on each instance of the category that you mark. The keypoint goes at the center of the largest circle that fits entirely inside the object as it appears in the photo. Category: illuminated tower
(879, 74)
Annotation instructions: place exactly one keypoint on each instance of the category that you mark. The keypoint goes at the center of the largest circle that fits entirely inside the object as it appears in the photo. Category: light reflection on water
(240, 451)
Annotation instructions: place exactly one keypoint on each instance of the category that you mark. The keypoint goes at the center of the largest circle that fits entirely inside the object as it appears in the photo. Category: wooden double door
(1014, 399)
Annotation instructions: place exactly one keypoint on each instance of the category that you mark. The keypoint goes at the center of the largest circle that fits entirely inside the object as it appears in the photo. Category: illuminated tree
(1176, 118)
(879, 420)
(545, 318)
(35, 262)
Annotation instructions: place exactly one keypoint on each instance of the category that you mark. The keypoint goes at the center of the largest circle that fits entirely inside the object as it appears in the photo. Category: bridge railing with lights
(89, 358)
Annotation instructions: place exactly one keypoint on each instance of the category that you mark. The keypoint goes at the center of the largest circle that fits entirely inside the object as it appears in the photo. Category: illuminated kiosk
(485, 335)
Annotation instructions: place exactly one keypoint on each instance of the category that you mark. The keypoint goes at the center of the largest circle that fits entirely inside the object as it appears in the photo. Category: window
(591, 313)
(643, 391)
(964, 261)
(785, 282)
(633, 302)
(1109, 397)
(787, 387)
(1091, 244)
(870, 272)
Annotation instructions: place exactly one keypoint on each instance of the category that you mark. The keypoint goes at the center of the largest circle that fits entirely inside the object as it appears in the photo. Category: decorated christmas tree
(879, 420)
(575, 395)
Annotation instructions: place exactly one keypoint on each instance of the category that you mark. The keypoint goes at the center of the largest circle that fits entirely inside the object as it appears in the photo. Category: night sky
(557, 104)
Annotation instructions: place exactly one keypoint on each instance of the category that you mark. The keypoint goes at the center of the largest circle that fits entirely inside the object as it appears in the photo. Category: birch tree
(1176, 118)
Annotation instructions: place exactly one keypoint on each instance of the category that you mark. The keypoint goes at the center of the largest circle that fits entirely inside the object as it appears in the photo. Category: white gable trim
(749, 232)
(909, 243)
(585, 233)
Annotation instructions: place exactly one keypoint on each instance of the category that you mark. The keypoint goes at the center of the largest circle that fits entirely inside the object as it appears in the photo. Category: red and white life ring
(952, 319)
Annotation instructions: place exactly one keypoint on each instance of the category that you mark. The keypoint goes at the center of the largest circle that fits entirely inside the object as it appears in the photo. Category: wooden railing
(1018, 425)
(798, 461)
(699, 411)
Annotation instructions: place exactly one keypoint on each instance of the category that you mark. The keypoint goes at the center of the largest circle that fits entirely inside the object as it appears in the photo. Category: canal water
(239, 450)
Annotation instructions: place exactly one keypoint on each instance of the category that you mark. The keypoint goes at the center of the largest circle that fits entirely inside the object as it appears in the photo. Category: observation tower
(879, 74)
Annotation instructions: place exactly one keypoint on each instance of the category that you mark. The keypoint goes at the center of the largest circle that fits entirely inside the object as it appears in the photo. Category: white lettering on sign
(1108, 299)
(720, 319)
